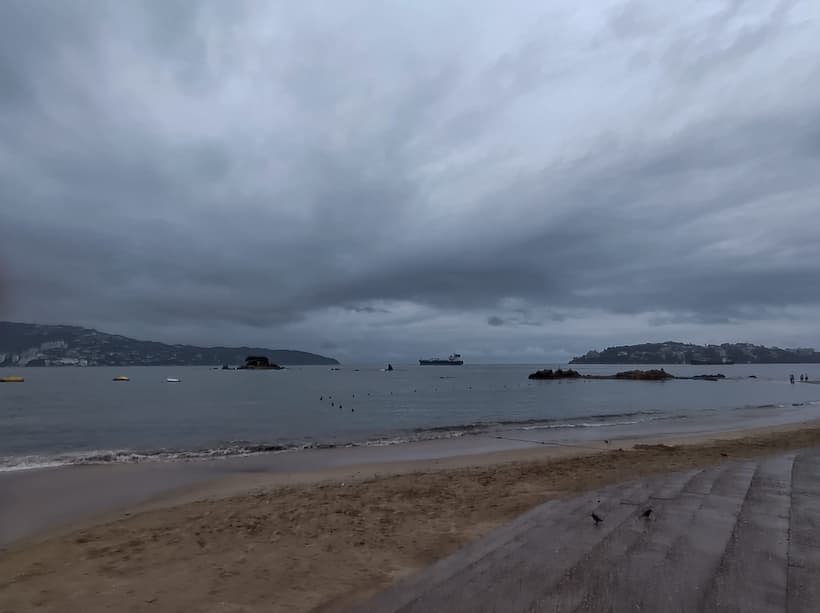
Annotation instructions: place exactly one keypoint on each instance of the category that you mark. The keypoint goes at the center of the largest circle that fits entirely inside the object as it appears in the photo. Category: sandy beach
(323, 540)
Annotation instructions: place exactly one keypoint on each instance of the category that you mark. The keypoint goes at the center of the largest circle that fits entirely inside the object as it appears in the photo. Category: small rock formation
(548, 373)
(254, 362)
(714, 377)
(645, 375)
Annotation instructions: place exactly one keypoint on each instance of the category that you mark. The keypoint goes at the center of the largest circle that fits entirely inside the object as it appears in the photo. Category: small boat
(11, 379)
(172, 380)
(120, 378)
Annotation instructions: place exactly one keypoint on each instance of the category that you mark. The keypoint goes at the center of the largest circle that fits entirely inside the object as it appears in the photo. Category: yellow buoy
(11, 379)
(121, 378)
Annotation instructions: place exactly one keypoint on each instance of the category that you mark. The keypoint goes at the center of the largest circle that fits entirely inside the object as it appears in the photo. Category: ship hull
(441, 362)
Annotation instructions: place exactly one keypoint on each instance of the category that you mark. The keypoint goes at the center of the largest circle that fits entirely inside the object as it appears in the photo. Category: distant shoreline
(677, 353)
(26, 345)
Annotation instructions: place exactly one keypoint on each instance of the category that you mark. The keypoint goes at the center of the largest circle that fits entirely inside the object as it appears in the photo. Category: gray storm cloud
(395, 180)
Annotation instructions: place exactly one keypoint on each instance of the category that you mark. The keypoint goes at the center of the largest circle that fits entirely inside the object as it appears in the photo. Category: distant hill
(684, 353)
(45, 345)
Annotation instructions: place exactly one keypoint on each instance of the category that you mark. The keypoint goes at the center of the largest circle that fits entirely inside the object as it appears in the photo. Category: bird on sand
(596, 518)
(646, 513)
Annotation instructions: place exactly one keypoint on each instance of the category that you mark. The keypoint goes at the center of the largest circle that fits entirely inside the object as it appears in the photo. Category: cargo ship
(453, 360)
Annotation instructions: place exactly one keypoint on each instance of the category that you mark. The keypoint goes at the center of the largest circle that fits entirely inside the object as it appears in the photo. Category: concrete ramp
(742, 536)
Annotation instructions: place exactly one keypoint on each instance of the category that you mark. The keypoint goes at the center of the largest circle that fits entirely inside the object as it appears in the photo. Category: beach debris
(596, 518)
(606, 441)
(725, 455)
(647, 514)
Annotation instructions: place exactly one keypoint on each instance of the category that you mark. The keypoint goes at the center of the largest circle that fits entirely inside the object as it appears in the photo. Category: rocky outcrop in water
(655, 374)
(549, 374)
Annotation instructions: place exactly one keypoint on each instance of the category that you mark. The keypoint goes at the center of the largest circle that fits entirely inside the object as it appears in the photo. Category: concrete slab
(742, 536)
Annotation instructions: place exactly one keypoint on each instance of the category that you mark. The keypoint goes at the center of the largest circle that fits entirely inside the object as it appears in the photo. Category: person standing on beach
(791, 378)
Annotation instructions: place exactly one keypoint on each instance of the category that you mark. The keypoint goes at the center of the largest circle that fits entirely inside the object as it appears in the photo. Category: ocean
(80, 416)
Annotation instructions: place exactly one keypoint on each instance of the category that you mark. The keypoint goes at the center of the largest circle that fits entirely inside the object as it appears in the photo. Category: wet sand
(325, 539)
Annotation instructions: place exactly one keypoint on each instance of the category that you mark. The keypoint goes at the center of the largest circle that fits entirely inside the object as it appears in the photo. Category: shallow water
(79, 415)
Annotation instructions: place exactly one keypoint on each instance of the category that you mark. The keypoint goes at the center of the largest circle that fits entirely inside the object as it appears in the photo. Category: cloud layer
(388, 179)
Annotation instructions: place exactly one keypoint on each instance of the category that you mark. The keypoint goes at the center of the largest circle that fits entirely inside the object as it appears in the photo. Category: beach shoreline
(297, 540)
(40, 501)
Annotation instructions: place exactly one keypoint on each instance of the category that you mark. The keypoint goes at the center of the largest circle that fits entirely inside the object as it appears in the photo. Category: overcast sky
(517, 181)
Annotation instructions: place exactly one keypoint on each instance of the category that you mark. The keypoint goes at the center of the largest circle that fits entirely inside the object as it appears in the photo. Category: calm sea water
(76, 415)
